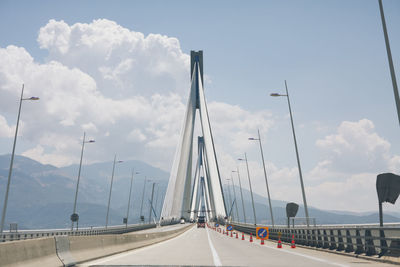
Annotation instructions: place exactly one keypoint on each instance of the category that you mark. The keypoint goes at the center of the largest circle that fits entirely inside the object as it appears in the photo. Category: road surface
(206, 247)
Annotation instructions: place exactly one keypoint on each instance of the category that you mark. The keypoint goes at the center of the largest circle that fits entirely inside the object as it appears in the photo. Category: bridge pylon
(181, 190)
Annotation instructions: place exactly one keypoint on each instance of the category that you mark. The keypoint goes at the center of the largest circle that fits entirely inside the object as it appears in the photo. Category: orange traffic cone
(262, 241)
(279, 243)
(223, 232)
(237, 235)
(231, 234)
(242, 236)
(251, 237)
(293, 244)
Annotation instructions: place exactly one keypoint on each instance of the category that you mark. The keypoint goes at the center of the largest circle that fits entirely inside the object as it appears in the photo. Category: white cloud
(5, 130)
(118, 58)
(115, 84)
(356, 147)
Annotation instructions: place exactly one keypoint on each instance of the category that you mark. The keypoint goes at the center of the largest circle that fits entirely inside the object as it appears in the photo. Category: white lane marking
(217, 261)
(307, 256)
(127, 253)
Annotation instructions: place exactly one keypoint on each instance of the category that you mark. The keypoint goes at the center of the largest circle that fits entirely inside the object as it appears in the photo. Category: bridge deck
(205, 247)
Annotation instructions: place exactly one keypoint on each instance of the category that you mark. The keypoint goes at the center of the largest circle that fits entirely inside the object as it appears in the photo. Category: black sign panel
(388, 187)
(74, 217)
(291, 209)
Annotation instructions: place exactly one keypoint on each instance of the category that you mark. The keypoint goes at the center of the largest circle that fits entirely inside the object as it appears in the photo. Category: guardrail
(30, 234)
(351, 239)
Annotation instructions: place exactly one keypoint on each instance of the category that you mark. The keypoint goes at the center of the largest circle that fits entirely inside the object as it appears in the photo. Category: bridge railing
(368, 240)
(30, 234)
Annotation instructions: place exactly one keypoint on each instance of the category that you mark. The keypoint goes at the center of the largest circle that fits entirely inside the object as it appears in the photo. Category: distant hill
(41, 196)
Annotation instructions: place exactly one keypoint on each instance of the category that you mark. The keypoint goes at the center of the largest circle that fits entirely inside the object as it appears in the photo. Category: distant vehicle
(201, 222)
(182, 221)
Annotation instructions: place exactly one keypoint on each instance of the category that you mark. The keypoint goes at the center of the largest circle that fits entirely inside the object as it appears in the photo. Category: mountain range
(41, 196)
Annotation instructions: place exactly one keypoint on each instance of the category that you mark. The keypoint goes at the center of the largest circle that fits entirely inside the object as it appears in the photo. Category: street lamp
(230, 200)
(3, 215)
(265, 174)
(241, 193)
(129, 199)
(297, 152)
(234, 195)
(112, 179)
(74, 216)
(141, 205)
(151, 202)
(251, 190)
(389, 55)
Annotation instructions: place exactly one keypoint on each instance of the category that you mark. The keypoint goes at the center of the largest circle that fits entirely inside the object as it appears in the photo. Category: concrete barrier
(35, 252)
(89, 248)
(68, 250)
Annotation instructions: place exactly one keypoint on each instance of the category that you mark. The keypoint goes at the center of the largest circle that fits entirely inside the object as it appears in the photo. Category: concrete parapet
(93, 247)
(34, 252)
(68, 250)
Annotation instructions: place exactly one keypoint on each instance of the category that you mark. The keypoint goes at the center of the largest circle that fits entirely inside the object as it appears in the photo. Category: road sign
(216, 225)
(262, 232)
(229, 228)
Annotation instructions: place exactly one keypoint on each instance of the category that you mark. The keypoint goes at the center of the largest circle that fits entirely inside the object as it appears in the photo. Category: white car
(182, 221)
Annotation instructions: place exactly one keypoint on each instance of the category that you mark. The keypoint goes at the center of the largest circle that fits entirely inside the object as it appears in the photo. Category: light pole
(151, 202)
(74, 216)
(389, 54)
(265, 175)
(129, 198)
(156, 204)
(234, 195)
(297, 153)
(112, 179)
(251, 190)
(230, 200)
(3, 215)
(141, 205)
(241, 193)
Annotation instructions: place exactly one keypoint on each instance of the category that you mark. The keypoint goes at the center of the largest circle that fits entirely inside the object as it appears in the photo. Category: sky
(119, 70)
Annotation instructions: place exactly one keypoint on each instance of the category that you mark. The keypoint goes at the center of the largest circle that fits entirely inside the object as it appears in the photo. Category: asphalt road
(206, 247)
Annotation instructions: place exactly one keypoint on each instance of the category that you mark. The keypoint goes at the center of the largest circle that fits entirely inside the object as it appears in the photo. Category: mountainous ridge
(41, 196)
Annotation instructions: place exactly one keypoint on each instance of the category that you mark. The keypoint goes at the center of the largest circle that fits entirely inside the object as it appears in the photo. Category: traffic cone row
(279, 243)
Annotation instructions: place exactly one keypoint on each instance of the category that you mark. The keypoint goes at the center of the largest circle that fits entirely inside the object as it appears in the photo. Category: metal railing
(363, 239)
(30, 234)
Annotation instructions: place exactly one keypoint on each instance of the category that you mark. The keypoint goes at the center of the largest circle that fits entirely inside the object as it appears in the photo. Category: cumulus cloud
(123, 88)
(5, 130)
(118, 58)
(356, 147)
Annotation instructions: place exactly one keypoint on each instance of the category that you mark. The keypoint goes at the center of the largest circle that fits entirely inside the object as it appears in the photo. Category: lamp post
(297, 152)
(265, 174)
(251, 190)
(234, 195)
(230, 200)
(3, 215)
(141, 205)
(151, 202)
(109, 196)
(129, 198)
(241, 193)
(74, 216)
(389, 55)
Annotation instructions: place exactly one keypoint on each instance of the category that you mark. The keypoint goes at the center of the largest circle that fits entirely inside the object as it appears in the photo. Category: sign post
(262, 233)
